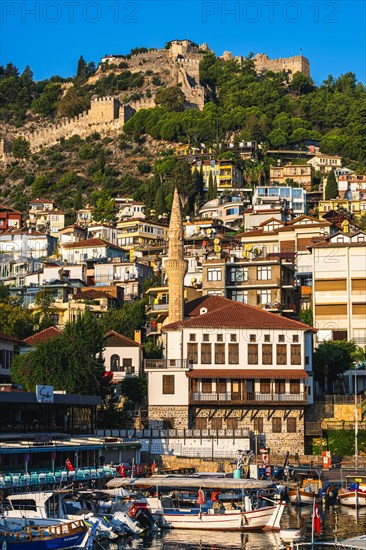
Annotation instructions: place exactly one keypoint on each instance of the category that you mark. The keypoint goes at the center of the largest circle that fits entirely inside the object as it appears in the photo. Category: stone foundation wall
(177, 414)
(332, 412)
(279, 443)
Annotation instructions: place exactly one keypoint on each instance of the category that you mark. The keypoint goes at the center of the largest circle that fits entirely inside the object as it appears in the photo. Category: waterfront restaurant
(38, 435)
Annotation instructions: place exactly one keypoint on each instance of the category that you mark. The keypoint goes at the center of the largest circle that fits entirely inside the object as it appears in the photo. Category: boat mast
(356, 421)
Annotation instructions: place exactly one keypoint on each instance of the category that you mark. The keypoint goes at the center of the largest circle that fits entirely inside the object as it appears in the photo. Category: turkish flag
(316, 518)
(121, 470)
(201, 497)
(69, 466)
(214, 496)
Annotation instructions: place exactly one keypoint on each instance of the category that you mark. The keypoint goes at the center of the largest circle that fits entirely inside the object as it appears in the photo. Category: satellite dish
(217, 248)
(216, 241)
(249, 247)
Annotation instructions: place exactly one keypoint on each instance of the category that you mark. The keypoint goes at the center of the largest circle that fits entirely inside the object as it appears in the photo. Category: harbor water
(345, 521)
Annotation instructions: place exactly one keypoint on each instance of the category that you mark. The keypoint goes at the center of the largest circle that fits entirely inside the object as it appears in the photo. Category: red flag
(214, 496)
(121, 470)
(316, 518)
(201, 497)
(69, 466)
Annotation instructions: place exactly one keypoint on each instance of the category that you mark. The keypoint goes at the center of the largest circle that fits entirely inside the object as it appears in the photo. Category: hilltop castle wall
(290, 65)
(176, 66)
(106, 115)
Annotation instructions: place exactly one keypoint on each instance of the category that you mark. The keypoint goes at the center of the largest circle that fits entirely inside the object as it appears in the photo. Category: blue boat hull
(71, 540)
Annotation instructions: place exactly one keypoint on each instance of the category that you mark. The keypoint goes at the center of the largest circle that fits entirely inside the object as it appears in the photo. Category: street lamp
(361, 365)
(256, 445)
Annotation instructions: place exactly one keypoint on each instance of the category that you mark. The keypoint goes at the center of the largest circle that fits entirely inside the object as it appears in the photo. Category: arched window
(115, 363)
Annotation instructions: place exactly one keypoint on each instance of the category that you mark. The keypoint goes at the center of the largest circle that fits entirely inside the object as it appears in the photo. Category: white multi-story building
(339, 287)
(234, 366)
(90, 249)
(272, 196)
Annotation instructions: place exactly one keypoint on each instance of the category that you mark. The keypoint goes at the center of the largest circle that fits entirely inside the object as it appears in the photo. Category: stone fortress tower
(176, 266)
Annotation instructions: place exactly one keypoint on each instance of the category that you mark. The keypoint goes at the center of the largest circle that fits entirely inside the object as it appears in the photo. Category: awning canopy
(172, 482)
(290, 374)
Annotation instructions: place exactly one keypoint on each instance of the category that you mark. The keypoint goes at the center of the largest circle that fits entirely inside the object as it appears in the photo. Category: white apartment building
(339, 287)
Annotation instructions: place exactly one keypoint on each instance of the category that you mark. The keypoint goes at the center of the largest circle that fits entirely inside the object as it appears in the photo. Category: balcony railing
(248, 397)
(166, 364)
(316, 428)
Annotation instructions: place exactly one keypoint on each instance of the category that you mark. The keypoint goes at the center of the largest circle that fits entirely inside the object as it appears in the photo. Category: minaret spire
(176, 266)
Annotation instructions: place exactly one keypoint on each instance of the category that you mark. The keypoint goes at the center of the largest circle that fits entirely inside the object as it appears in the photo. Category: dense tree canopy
(331, 359)
(71, 362)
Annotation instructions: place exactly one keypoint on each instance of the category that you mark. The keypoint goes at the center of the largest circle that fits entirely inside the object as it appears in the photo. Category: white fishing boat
(354, 493)
(210, 518)
(353, 498)
(266, 518)
(46, 508)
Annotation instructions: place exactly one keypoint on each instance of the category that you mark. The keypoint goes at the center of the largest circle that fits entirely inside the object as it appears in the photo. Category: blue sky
(50, 35)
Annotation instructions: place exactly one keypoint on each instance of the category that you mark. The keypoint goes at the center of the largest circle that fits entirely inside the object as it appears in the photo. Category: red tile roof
(91, 243)
(116, 338)
(192, 308)
(8, 338)
(290, 374)
(92, 294)
(43, 336)
(8, 209)
(238, 315)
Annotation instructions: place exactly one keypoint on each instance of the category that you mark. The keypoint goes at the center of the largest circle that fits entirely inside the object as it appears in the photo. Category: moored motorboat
(306, 493)
(74, 534)
(355, 498)
(354, 493)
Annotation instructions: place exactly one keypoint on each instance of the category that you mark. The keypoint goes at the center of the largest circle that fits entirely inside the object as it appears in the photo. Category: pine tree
(82, 68)
(78, 202)
(198, 183)
(214, 190)
(331, 188)
(210, 194)
(159, 204)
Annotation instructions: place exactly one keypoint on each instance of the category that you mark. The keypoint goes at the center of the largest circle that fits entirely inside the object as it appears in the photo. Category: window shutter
(294, 386)
(192, 353)
(253, 354)
(291, 425)
(265, 386)
(276, 425)
(267, 354)
(258, 425)
(233, 354)
(206, 354)
(219, 354)
(206, 386)
(295, 354)
(168, 384)
(281, 354)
